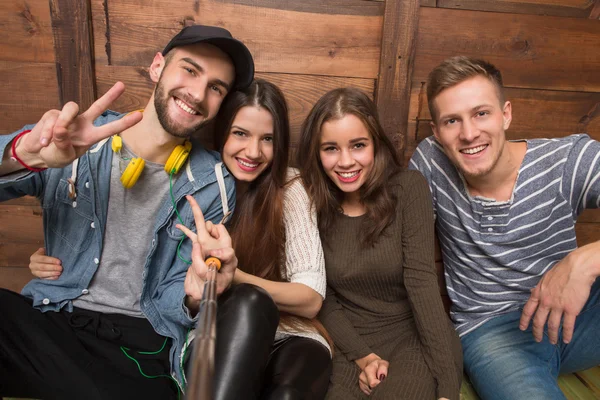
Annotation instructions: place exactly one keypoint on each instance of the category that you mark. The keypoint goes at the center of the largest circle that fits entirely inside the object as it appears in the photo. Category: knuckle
(546, 302)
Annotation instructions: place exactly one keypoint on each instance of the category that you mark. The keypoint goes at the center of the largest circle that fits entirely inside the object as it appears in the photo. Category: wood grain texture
(560, 8)
(14, 278)
(536, 114)
(333, 43)
(333, 7)
(301, 91)
(16, 255)
(21, 224)
(590, 215)
(540, 52)
(400, 23)
(73, 49)
(26, 31)
(587, 233)
(30, 91)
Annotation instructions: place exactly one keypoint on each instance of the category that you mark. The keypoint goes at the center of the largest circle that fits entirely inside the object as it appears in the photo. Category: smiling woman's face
(248, 150)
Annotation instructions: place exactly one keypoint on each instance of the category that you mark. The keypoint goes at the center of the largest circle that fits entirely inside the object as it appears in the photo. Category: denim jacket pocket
(188, 220)
(72, 219)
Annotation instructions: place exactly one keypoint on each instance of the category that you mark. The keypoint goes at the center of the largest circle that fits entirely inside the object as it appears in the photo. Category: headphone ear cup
(178, 157)
(132, 172)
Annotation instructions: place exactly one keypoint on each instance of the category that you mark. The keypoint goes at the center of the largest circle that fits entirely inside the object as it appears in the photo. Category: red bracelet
(14, 153)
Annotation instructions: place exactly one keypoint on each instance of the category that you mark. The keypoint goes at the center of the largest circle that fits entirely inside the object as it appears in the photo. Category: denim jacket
(74, 230)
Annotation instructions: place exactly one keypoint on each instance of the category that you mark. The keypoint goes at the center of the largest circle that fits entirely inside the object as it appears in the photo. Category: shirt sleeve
(304, 261)
(421, 161)
(581, 177)
(421, 283)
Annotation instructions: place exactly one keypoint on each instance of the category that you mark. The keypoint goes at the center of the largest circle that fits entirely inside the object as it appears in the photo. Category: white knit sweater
(304, 262)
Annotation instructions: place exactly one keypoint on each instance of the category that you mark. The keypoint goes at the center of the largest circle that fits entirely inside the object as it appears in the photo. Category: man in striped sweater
(505, 218)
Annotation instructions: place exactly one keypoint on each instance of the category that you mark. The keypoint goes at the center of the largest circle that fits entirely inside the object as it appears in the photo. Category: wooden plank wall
(547, 49)
(29, 88)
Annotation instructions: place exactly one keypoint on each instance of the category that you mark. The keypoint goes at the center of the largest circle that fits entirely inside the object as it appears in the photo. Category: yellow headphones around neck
(136, 165)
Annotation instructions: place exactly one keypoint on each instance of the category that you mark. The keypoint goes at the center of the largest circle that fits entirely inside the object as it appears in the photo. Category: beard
(172, 127)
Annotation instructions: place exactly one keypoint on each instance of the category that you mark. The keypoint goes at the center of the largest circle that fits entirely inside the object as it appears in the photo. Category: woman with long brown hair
(276, 238)
(383, 308)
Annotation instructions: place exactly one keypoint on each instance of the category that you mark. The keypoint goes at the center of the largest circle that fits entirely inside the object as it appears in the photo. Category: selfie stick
(200, 385)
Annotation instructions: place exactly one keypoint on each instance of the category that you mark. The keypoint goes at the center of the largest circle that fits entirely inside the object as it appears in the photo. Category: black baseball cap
(220, 37)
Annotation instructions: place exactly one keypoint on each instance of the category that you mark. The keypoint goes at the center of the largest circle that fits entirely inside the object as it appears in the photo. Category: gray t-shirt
(117, 285)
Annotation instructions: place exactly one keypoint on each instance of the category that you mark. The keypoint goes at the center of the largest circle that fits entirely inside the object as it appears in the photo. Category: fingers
(363, 384)
(104, 102)
(226, 255)
(554, 325)
(194, 288)
(198, 264)
(222, 234)
(60, 133)
(40, 257)
(529, 309)
(202, 233)
(114, 127)
(382, 371)
(48, 128)
(45, 267)
(191, 235)
(539, 321)
(42, 274)
(371, 372)
(212, 230)
(568, 327)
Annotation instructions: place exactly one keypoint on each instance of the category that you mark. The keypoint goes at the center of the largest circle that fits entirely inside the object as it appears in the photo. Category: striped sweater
(496, 252)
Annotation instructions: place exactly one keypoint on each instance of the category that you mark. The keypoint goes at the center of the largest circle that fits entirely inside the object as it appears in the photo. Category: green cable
(154, 352)
(123, 349)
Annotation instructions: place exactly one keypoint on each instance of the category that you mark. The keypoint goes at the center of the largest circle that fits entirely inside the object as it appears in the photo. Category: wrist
(28, 160)
(239, 276)
(584, 261)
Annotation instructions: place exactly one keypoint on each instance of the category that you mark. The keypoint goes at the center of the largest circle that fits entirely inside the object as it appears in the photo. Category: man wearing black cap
(111, 320)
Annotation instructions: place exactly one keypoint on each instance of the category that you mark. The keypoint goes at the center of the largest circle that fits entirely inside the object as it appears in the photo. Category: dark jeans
(79, 355)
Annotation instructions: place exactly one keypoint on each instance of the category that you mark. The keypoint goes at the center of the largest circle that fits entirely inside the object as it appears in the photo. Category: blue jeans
(505, 363)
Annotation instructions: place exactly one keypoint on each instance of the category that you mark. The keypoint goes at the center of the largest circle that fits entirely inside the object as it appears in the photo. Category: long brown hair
(257, 228)
(375, 194)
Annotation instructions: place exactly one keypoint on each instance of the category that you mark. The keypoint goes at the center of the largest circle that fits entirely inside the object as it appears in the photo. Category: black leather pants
(249, 366)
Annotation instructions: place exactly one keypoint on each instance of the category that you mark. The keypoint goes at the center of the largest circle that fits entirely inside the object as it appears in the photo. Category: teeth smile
(347, 175)
(474, 150)
(246, 164)
(185, 108)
